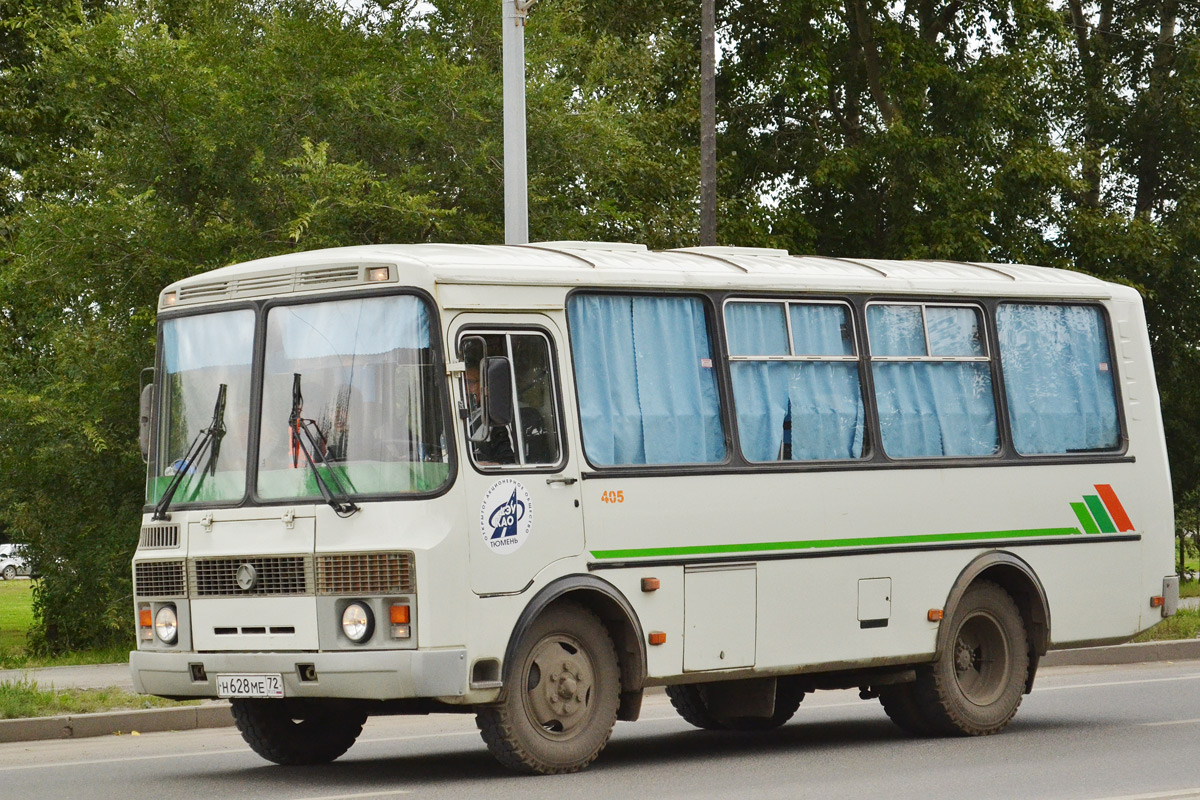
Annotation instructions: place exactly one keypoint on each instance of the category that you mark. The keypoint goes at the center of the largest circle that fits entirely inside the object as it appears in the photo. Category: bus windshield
(200, 354)
(357, 378)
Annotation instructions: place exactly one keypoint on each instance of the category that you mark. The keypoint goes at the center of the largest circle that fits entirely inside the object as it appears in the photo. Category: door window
(533, 438)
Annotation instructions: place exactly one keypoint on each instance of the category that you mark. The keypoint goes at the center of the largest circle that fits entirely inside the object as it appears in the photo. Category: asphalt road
(1086, 732)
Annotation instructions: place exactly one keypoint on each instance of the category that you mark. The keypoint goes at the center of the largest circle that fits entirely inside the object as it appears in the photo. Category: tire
(10, 573)
(295, 734)
(899, 701)
(560, 702)
(976, 685)
(690, 705)
(688, 700)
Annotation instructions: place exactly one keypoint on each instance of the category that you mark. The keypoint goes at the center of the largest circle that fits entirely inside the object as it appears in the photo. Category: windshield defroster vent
(159, 537)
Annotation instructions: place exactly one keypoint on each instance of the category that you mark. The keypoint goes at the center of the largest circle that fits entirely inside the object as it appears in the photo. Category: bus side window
(1058, 378)
(532, 438)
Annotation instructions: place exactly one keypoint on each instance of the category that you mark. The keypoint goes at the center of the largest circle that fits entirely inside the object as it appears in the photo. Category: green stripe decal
(1085, 518)
(821, 544)
(1100, 513)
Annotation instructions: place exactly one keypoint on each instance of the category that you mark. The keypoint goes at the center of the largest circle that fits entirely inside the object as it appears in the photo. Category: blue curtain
(1058, 375)
(813, 407)
(647, 387)
(931, 408)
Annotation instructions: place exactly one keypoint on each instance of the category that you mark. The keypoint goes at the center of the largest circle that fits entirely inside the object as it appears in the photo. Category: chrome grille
(159, 536)
(275, 575)
(159, 579)
(365, 573)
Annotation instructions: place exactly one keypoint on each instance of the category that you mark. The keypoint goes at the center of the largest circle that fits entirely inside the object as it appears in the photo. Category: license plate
(265, 685)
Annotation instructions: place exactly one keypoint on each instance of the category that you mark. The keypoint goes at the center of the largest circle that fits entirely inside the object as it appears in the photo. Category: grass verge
(16, 617)
(1184, 625)
(23, 699)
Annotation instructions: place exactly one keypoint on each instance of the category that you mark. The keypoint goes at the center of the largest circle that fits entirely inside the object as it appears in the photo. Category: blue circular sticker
(506, 516)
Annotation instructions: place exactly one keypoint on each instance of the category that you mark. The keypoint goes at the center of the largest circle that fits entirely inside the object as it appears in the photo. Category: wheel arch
(1019, 579)
(615, 612)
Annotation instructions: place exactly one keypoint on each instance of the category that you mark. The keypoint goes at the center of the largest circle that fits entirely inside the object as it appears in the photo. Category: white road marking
(357, 795)
(1175, 794)
(1172, 722)
(1116, 683)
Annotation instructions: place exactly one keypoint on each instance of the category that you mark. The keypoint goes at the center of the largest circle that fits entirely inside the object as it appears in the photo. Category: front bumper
(369, 675)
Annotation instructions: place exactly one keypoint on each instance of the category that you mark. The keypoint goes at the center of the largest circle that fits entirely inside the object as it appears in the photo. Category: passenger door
(522, 489)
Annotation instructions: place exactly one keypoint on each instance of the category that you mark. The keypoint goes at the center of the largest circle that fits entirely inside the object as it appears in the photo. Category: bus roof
(618, 265)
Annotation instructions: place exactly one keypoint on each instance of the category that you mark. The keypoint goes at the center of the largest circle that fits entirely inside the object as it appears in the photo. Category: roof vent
(764, 252)
(614, 247)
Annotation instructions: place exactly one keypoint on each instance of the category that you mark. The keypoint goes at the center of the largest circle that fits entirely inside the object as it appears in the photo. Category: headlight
(166, 625)
(357, 622)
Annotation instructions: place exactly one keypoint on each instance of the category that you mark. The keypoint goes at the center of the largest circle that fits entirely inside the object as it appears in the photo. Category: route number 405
(612, 497)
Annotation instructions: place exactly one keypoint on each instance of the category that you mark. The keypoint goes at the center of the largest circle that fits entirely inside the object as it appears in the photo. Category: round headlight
(166, 625)
(357, 622)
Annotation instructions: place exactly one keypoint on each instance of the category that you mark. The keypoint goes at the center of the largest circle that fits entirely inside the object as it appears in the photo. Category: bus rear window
(1058, 377)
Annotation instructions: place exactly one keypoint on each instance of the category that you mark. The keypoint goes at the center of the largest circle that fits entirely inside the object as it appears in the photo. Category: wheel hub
(559, 686)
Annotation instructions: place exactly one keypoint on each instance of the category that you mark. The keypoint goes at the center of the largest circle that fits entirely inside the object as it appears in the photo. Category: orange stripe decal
(1115, 509)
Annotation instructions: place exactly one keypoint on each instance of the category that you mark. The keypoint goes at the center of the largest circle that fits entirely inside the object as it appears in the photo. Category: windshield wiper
(307, 438)
(210, 436)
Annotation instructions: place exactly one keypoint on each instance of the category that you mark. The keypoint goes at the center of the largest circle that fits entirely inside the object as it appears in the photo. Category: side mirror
(146, 416)
(497, 402)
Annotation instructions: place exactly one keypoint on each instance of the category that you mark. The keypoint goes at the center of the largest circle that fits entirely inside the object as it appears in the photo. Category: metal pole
(516, 192)
(708, 124)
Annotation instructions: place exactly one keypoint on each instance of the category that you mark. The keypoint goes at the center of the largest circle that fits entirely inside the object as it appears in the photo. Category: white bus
(530, 482)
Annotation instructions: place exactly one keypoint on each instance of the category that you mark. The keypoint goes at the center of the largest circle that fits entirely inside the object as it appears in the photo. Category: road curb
(1172, 650)
(218, 715)
(153, 720)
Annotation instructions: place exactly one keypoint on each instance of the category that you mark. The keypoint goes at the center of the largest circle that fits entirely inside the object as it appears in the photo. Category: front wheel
(292, 733)
(560, 703)
(10, 573)
(976, 685)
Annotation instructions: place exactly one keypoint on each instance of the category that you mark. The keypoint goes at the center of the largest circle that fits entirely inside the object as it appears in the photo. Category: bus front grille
(251, 575)
(365, 573)
(159, 579)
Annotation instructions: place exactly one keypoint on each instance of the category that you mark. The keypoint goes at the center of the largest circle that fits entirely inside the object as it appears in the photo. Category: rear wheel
(690, 705)
(10, 573)
(976, 685)
(288, 732)
(561, 704)
(688, 700)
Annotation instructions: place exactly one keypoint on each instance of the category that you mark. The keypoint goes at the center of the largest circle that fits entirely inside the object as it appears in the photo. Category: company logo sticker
(506, 516)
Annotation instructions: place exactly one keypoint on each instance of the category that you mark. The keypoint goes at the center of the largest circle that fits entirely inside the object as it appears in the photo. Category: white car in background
(12, 561)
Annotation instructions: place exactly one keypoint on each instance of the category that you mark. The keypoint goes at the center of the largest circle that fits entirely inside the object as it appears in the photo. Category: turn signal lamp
(1157, 601)
(146, 623)
(399, 616)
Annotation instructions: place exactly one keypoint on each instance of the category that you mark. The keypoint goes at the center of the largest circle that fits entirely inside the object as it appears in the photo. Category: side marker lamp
(1157, 601)
(935, 615)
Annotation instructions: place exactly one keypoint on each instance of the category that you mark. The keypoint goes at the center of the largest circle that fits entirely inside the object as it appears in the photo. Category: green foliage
(1185, 624)
(24, 699)
(142, 141)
